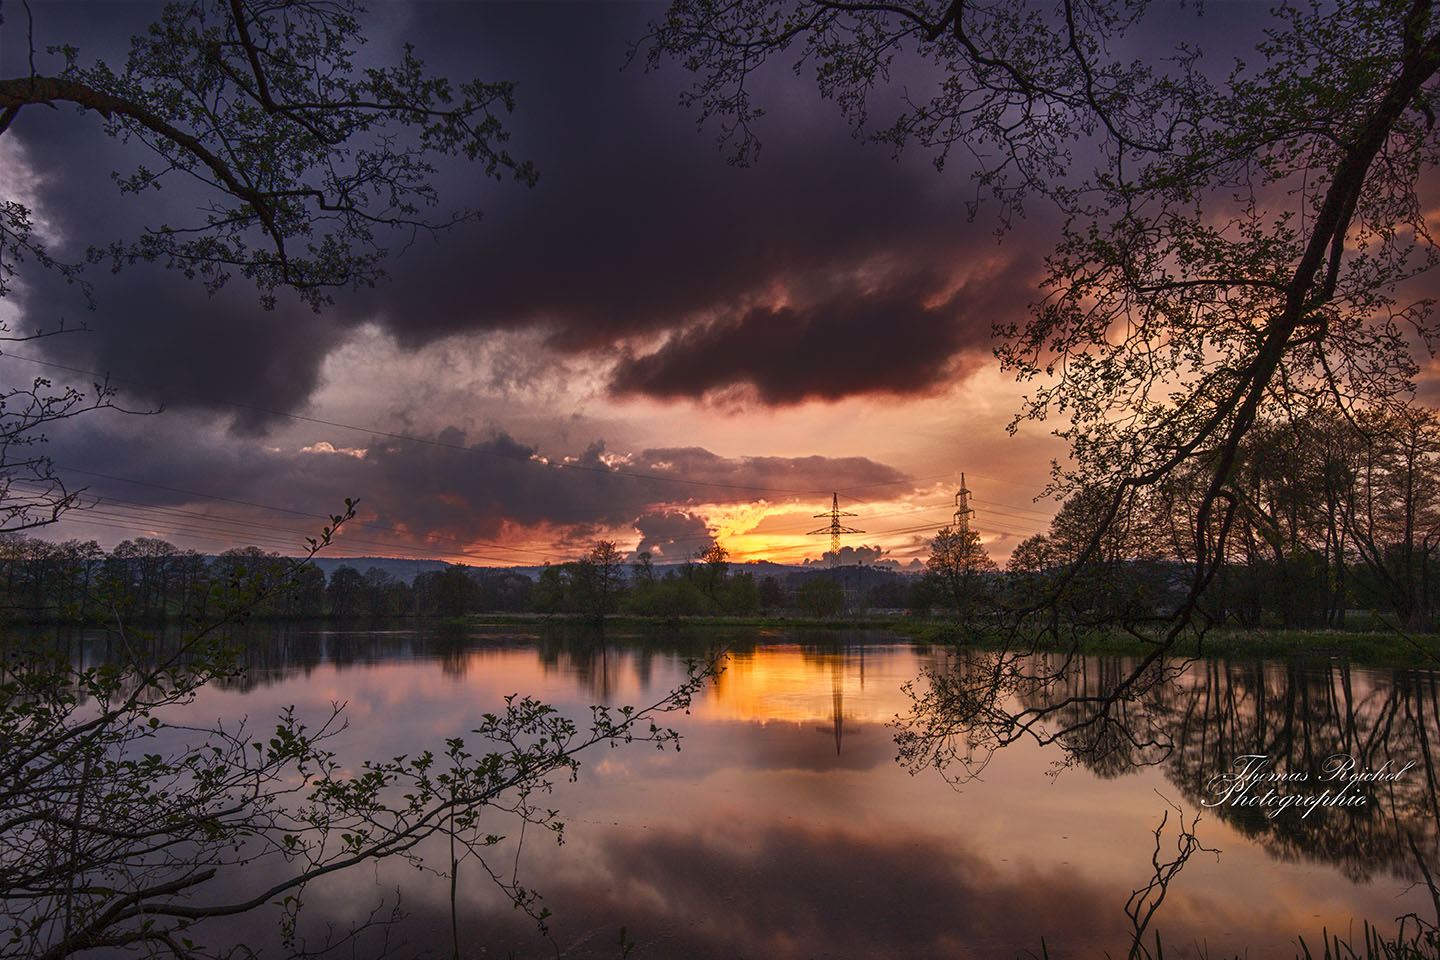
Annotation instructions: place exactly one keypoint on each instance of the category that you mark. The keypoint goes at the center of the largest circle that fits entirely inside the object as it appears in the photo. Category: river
(786, 826)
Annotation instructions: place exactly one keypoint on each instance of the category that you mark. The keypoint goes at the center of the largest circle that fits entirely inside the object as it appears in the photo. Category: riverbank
(1372, 647)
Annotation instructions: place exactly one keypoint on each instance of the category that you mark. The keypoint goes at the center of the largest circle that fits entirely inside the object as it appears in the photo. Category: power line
(222, 528)
(350, 540)
(835, 528)
(309, 515)
(606, 470)
(192, 493)
(205, 525)
(262, 506)
(433, 442)
(212, 527)
(1038, 513)
(892, 532)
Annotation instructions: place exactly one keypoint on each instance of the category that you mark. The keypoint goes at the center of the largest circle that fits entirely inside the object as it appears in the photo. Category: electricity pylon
(835, 528)
(963, 513)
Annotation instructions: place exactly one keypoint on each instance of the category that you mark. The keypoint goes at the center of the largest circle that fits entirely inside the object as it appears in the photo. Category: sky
(649, 345)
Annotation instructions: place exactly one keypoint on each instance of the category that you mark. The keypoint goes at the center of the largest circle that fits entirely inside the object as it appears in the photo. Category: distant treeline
(150, 580)
(603, 582)
(1329, 515)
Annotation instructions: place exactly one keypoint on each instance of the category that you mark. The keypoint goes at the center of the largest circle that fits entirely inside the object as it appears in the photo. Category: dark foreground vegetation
(1328, 517)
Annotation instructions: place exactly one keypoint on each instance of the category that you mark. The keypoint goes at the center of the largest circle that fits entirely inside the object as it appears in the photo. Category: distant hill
(397, 567)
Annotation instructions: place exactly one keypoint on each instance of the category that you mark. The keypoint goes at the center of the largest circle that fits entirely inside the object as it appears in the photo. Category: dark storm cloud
(637, 222)
(477, 489)
(222, 353)
(163, 339)
(896, 339)
(672, 535)
(650, 233)
(636, 229)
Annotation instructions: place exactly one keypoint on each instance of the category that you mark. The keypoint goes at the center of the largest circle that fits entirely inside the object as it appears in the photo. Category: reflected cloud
(792, 890)
(783, 828)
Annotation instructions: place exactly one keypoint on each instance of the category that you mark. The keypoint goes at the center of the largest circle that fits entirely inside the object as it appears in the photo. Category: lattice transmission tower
(835, 528)
(963, 513)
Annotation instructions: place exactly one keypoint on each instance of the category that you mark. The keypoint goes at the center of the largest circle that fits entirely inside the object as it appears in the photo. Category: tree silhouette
(960, 565)
(308, 158)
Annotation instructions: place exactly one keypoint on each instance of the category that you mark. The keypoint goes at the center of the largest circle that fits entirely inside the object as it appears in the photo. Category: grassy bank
(1374, 647)
(1368, 647)
(629, 621)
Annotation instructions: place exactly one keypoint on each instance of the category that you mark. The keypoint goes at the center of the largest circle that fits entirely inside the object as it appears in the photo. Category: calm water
(785, 827)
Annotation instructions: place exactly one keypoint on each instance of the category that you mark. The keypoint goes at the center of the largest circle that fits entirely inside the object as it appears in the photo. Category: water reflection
(1296, 716)
(784, 828)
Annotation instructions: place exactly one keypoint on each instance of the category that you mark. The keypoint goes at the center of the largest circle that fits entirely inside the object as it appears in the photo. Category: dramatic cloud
(712, 477)
(791, 892)
(670, 535)
(443, 493)
(652, 237)
(159, 335)
(221, 353)
(793, 876)
(908, 336)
